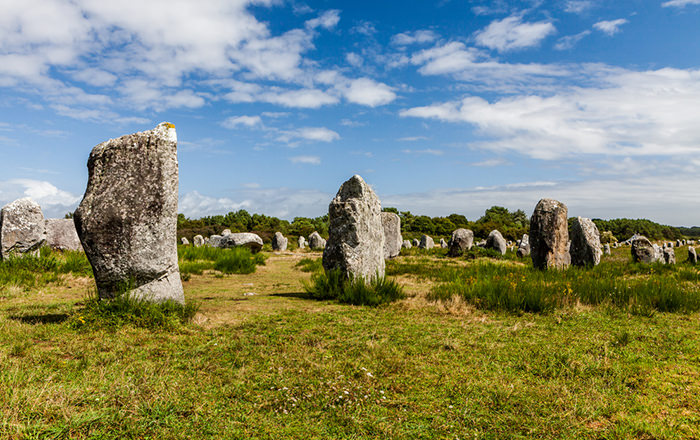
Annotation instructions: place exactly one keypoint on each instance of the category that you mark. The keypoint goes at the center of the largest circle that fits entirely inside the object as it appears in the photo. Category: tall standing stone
(669, 256)
(642, 250)
(22, 228)
(61, 235)
(443, 243)
(523, 246)
(585, 243)
(461, 241)
(406, 244)
(496, 242)
(127, 220)
(356, 237)
(692, 256)
(549, 235)
(279, 242)
(426, 242)
(198, 241)
(301, 242)
(606, 249)
(416, 242)
(316, 242)
(391, 223)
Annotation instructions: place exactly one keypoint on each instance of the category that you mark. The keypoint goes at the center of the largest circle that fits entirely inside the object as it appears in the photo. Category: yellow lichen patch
(169, 125)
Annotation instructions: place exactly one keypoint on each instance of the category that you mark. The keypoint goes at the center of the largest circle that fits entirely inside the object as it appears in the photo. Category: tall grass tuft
(334, 285)
(29, 271)
(309, 265)
(195, 260)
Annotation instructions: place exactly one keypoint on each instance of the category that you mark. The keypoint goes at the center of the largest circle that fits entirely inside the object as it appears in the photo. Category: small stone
(226, 232)
(415, 242)
(22, 228)
(243, 239)
(406, 244)
(185, 241)
(316, 242)
(606, 249)
(279, 242)
(443, 243)
(496, 242)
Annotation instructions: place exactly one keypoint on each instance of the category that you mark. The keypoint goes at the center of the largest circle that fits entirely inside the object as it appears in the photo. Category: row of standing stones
(127, 223)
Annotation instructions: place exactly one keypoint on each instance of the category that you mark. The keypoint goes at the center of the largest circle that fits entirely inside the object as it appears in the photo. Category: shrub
(334, 285)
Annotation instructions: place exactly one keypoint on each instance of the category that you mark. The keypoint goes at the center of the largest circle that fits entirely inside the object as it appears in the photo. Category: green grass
(333, 285)
(195, 260)
(28, 271)
(310, 265)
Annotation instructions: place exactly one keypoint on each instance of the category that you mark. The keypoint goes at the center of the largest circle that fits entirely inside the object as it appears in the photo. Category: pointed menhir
(127, 220)
(549, 235)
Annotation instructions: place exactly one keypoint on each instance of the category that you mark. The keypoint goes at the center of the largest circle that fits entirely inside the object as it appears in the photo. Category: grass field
(263, 360)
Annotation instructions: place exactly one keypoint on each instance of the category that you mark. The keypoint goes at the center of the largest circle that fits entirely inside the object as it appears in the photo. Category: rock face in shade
(316, 242)
(128, 217)
(416, 242)
(22, 228)
(585, 243)
(692, 256)
(198, 241)
(462, 240)
(669, 256)
(658, 254)
(549, 235)
(279, 242)
(523, 246)
(242, 239)
(496, 242)
(356, 235)
(426, 242)
(443, 243)
(61, 235)
(185, 241)
(406, 244)
(642, 250)
(606, 249)
(301, 242)
(392, 234)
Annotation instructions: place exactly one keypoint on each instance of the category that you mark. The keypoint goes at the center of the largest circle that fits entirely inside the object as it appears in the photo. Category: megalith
(642, 250)
(279, 242)
(549, 235)
(22, 228)
(127, 220)
(391, 223)
(523, 246)
(426, 242)
(461, 241)
(198, 241)
(61, 235)
(585, 243)
(316, 242)
(496, 242)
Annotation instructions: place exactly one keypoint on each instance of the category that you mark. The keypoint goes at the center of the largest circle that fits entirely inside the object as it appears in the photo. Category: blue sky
(442, 106)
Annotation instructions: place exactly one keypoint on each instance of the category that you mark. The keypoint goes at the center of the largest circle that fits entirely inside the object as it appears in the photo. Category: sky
(443, 106)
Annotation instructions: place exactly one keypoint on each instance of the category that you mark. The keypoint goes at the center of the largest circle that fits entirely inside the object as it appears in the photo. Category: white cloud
(354, 59)
(491, 163)
(511, 34)
(246, 121)
(569, 41)
(610, 27)
(577, 6)
(311, 160)
(54, 202)
(625, 113)
(315, 134)
(679, 3)
(368, 92)
(417, 37)
(412, 138)
(303, 98)
(429, 151)
(327, 20)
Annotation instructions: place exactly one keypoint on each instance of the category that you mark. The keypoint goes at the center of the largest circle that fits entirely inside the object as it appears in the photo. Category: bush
(334, 285)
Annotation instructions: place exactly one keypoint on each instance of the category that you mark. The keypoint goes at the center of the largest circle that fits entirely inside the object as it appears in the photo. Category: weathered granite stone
(242, 239)
(642, 250)
(406, 244)
(316, 242)
(392, 234)
(127, 220)
(22, 228)
(198, 241)
(355, 232)
(426, 242)
(443, 243)
(692, 256)
(496, 242)
(669, 256)
(481, 244)
(461, 241)
(523, 246)
(658, 254)
(549, 235)
(61, 235)
(679, 243)
(226, 232)
(279, 242)
(416, 242)
(185, 241)
(606, 249)
(585, 243)
(301, 242)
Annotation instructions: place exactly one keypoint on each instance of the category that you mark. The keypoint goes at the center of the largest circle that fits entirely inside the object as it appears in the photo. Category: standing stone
(585, 243)
(226, 232)
(461, 241)
(426, 242)
(549, 235)
(22, 228)
(679, 243)
(669, 256)
(415, 242)
(185, 241)
(692, 256)
(242, 239)
(523, 246)
(658, 254)
(443, 243)
(406, 244)
(198, 241)
(127, 220)
(496, 242)
(642, 250)
(356, 235)
(301, 242)
(279, 242)
(61, 235)
(606, 249)
(216, 241)
(392, 234)
(316, 242)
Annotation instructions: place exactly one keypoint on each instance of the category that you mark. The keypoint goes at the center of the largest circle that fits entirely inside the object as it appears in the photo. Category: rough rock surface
(61, 235)
(198, 241)
(301, 242)
(443, 243)
(585, 243)
(242, 239)
(461, 241)
(416, 242)
(658, 254)
(127, 221)
(356, 235)
(549, 235)
(22, 228)
(642, 250)
(692, 256)
(316, 242)
(523, 246)
(185, 241)
(392, 234)
(406, 244)
(669, 256)
(496, 242)
(279, 242)
(226, 232)
(216, 241)
(426, 242)
(606, 249)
